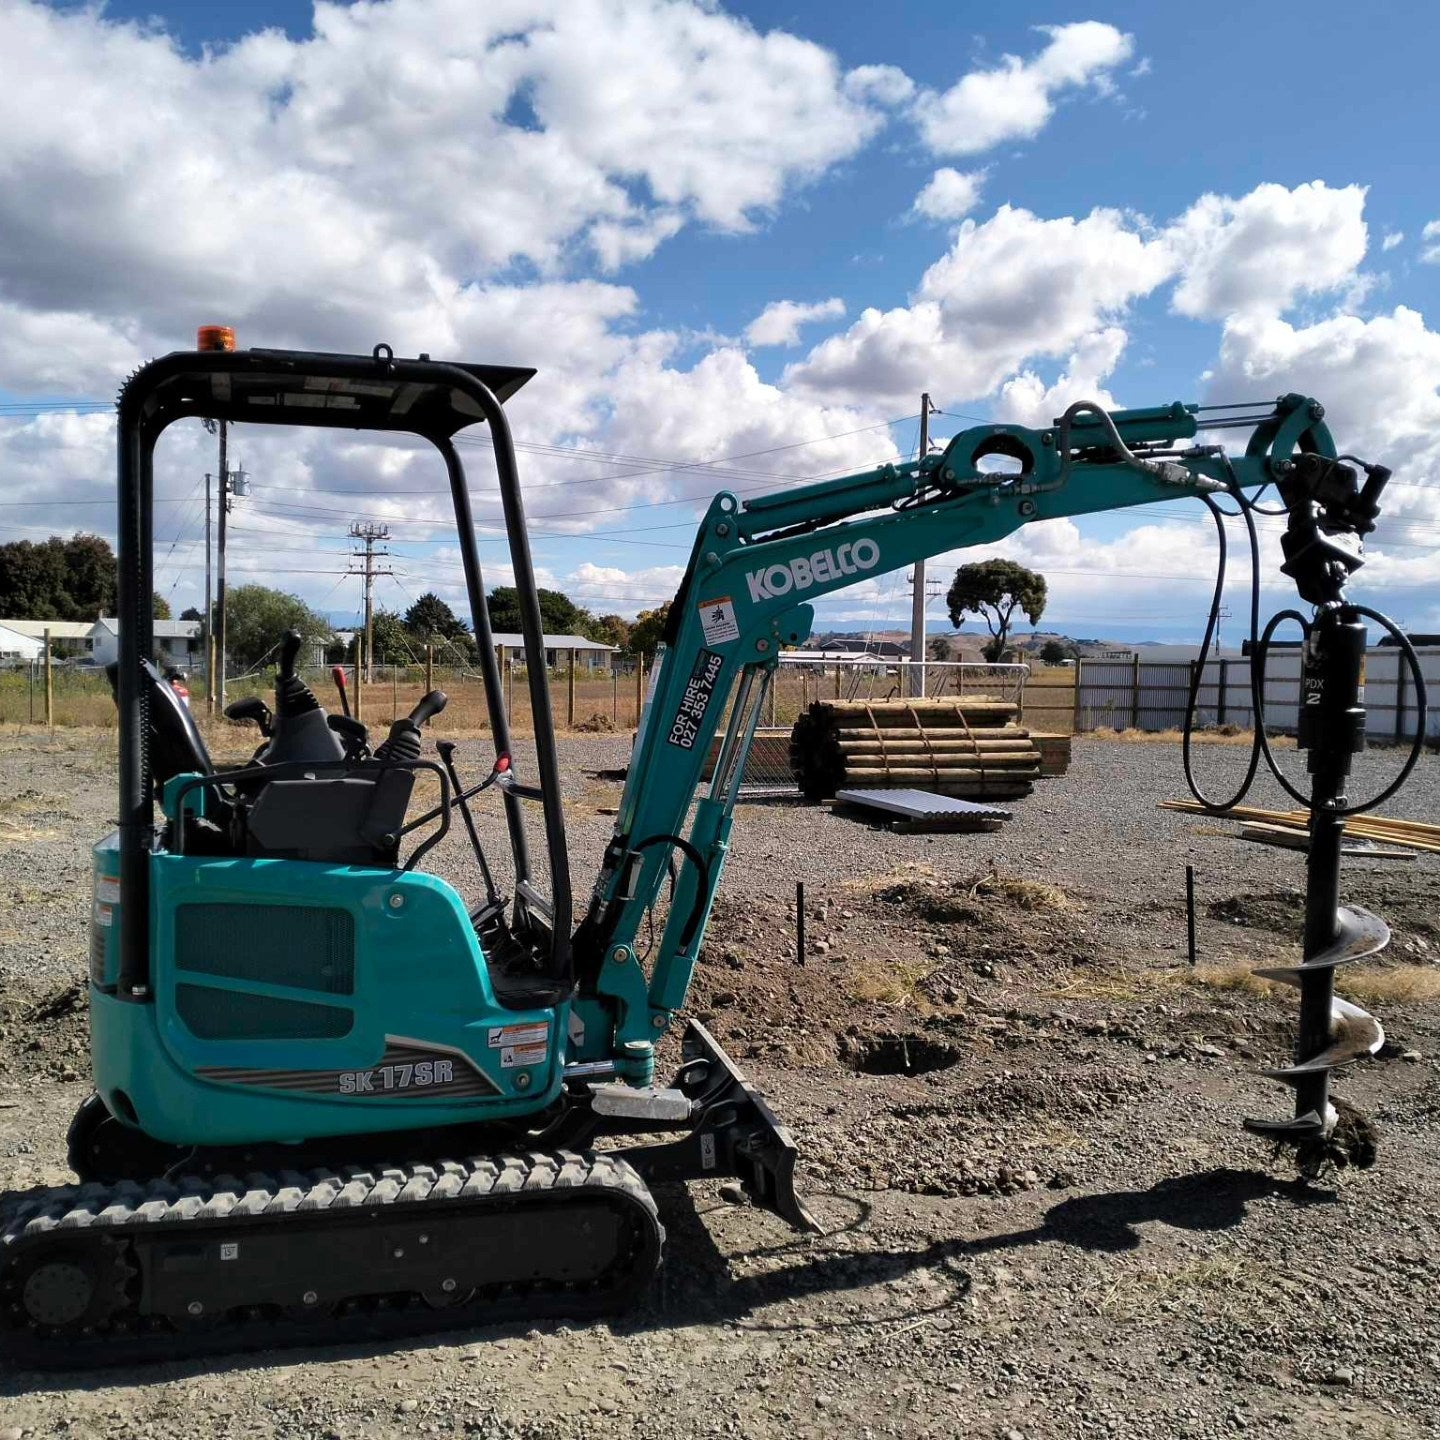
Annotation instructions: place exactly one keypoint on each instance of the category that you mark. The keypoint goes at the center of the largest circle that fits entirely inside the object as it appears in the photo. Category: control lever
(403, 742)
(251, 708)
(338, 674)
(290, 644)
(446, 750)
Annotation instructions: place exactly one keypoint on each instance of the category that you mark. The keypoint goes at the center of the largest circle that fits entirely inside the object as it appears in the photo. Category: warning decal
(514, 1056)
(532, 1033)
(717, 620)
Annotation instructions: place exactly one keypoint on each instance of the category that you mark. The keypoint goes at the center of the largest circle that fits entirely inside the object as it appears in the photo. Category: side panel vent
(301, 945)
(214, 1014)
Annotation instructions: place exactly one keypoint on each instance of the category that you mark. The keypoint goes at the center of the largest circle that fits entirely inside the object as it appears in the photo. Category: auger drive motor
(333, 1096)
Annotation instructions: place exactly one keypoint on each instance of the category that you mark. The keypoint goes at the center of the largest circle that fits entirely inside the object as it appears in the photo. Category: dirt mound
(46, 1033)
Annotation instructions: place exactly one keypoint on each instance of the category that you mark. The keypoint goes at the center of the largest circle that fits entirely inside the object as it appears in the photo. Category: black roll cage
(430, 399)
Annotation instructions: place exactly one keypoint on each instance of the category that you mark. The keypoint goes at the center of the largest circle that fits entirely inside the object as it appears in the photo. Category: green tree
(256, 617)
(193, 612)
(994, 590)
(57, 579)
(611, 630)
(162, 606)
(645, 633)
(1057, 652)
(559, 614)
(394, 644)
(430, 621)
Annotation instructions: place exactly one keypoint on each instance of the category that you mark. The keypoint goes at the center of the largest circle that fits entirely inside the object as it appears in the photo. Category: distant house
(16, 647)
(880, 649)
(589, 654)
(176, 641)
(68, 638)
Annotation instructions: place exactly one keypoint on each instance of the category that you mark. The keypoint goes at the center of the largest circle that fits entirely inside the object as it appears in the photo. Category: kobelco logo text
(818, 569)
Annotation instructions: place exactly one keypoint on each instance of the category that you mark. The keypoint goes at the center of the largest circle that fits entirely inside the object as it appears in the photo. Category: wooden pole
(507, 664)
(570, 694)
(394, 694)
(429, 668)
(1135, 693)
(639, 687)
(1079, 685)
(1224, 688)
(49, 684)
(360, 675)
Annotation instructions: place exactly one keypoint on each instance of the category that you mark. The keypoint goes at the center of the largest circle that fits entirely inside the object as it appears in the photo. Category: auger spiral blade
(1358, 935)
(1354, 1033)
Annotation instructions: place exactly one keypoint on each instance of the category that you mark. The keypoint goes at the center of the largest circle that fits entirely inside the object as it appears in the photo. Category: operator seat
(176, 745)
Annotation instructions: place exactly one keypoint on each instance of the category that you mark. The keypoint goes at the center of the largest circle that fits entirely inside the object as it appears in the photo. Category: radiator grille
(233, 1015)
(301, 945)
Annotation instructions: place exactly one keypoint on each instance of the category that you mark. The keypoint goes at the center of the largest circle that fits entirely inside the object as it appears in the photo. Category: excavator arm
(757, 565)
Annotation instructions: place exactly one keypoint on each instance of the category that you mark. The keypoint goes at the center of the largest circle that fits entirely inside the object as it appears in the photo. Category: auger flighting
(1329, 512)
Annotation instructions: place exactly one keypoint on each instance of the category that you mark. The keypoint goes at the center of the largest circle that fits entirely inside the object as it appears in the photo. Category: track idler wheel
(69, 1290)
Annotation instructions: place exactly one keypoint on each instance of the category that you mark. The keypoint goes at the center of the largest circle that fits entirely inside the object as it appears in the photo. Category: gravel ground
(1019, 1115)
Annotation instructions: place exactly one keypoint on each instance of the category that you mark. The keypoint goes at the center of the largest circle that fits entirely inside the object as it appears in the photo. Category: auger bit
(1332, 1031)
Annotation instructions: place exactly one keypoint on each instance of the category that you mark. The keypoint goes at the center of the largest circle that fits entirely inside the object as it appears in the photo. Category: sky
(737, 242)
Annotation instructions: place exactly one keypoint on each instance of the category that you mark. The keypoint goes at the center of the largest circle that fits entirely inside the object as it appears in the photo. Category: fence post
(360, 675)
(49, 684)
(1135, 693)
(774, 686)
(570, 694)
(507, 664)
(1402, 674)
(1079, 685)
(837, 680)
(639, 688)
(614, 693)
(394, 692)
(1224, 690)
(429, 668)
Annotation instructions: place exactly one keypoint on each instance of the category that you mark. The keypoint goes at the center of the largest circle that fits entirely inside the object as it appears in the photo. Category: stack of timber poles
(1416, 834)
(965, 747)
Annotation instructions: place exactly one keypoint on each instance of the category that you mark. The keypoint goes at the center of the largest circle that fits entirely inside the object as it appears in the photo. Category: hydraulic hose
(1259, 654)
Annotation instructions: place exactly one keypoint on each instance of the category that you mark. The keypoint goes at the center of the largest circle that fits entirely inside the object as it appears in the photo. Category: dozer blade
(1358, 935)
(1354, 1033)
(734, 1132)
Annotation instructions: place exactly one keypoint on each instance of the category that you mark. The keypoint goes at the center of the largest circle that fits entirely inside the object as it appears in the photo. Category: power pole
(232, 483)
(917, 598)
(370, 534)
(219, 683)
(208, 623)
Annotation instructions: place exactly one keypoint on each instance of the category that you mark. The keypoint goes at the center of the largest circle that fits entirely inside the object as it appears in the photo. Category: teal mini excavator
(334, 1097)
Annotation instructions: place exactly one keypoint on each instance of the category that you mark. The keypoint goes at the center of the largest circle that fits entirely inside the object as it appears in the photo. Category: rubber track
(225, 1205)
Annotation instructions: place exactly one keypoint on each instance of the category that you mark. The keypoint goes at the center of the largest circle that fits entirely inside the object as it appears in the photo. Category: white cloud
(611, 589)
(1392, 239)
(1008, 290)
(1262, 251)
(1379, 380)
(307, 189)
(879, 85)
(950, 194)
(1015, 100)
(1027, 400)
(779, 322)
(1430, 255)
